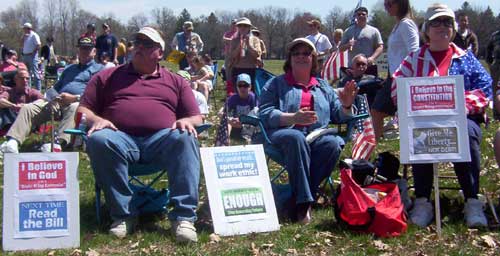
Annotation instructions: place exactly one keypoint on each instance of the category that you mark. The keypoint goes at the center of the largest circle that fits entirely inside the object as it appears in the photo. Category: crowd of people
(139, 112)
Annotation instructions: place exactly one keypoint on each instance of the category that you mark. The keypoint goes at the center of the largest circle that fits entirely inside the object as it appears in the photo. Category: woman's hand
(305, 117)
(347, 95)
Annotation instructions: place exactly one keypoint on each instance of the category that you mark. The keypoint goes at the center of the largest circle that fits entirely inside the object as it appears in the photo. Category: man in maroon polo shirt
(13, 98)
(142, 113)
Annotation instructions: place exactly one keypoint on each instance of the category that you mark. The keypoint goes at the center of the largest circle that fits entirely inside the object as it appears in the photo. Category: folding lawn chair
(146, 198)
(272, 151)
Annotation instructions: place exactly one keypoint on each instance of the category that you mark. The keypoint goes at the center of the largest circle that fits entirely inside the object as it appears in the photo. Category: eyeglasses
(305, 54)
(361, 14)
(447, 22)
(360, 64)
(243, 85)
(144, 42)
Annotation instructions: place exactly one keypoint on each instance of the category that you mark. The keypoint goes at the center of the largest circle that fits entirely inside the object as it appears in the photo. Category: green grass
(321, 237)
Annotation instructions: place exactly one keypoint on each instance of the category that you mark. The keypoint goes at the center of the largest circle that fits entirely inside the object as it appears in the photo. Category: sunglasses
(144, 42)
(305, 54)
(445, 21)
(243, 85)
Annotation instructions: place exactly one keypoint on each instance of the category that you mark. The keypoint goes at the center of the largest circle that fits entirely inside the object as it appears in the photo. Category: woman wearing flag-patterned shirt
(440, 57)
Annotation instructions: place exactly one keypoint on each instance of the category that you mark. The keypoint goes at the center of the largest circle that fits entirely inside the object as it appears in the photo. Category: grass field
(321, 237)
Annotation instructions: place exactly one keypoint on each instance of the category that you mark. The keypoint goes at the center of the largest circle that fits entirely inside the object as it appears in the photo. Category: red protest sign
(42, 175)
(432, 97)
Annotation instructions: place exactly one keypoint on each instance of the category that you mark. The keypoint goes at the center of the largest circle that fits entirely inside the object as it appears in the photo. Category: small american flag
(364, 140)
(222, 136)
(331, 68)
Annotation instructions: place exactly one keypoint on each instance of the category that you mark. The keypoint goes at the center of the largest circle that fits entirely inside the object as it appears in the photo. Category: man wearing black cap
(108, 43)
(62, 100)
(363, 38)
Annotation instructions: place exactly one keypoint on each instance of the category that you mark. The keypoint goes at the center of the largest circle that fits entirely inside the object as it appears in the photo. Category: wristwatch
(78, 97)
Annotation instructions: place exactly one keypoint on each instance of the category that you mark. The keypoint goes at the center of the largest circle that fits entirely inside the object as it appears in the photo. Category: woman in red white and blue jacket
(440, 57)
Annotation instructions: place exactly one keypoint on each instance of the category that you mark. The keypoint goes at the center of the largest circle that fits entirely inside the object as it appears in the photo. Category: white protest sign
(432, 120)
(382, 63)
(239, 190)
(41, 201)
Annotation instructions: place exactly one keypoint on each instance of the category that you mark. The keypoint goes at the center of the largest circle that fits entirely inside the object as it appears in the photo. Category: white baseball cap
(152, 34)
(27, 25)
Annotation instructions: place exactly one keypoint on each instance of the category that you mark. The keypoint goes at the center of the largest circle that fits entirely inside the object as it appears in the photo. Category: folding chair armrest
(251, 120)
(75, 132)
(203, 127)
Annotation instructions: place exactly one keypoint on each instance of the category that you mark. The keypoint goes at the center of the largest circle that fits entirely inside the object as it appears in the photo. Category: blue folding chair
(271, 150)
(215, 67)
(146, 198)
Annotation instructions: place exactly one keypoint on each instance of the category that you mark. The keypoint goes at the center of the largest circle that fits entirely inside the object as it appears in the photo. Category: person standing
(320, 41)
(403, 39)
(465, 38)
(108, 43)
(226, 38)
(493, 60)
(187, 41)
(48, 54)
(363, 38)
(31, 46)
(245, 51)
(122, 51)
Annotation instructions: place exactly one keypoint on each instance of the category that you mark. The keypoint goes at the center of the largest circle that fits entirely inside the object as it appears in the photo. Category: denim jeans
(467, 172)
(307, 164)
(31, 61)
(111, 153)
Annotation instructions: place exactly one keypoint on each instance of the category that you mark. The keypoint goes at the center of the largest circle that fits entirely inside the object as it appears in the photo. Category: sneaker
(46, 148)
(474, 214)
(120, 228)
(10, 146)
(421, 214)
(184, 231)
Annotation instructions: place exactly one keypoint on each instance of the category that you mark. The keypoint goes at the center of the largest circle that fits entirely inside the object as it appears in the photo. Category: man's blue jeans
(31, 61)
(307, 165)
(467, 172)
(111, 153)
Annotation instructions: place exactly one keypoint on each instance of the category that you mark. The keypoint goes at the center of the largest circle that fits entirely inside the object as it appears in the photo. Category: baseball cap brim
(152, 34)
(300, 40)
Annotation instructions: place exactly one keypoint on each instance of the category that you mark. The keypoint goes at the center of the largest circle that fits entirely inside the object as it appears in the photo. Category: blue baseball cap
(244, 78)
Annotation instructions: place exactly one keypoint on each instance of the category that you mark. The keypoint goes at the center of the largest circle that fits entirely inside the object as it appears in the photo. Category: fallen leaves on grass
(489, 241)
(291, 252)
(253, 249)
(76, 252)
(381, 246)
(91, 252)
(214, 238)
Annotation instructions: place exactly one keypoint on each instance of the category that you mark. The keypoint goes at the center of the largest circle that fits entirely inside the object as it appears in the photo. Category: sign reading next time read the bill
(239, 190)
(41, 206)
(432, 120)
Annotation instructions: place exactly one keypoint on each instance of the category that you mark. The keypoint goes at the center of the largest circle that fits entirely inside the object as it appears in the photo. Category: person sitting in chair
(293, 105)
(61, 102)
(239, 104)
(368, 84)
(141, 113)
(13, 98)
(10, 62)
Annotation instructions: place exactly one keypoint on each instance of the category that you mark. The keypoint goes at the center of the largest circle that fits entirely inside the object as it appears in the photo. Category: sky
(124, 9)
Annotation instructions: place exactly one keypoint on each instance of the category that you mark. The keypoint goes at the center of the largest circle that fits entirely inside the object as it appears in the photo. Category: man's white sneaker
(121, 228)
(421, 214)
(184, 231)
(46, 148)
(10, 146)
(474, 214)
